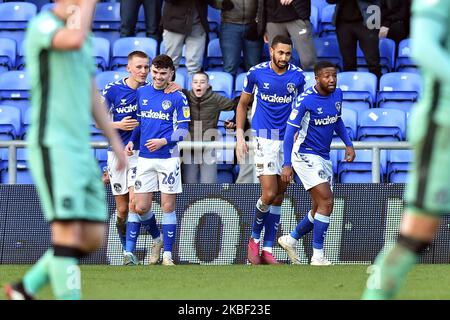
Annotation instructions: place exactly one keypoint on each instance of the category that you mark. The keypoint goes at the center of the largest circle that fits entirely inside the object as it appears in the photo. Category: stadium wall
(214, 224)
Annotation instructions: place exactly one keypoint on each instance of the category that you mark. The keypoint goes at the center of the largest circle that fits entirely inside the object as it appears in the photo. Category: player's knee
(122, 211)
(269, 196)
(168, 206)
(278, 199)
(325, 205)
(140, 209)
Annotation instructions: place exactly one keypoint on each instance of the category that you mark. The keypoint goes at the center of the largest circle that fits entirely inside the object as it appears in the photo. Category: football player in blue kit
(317, 114)
(163, 121)
(275, 85)
(120, 96)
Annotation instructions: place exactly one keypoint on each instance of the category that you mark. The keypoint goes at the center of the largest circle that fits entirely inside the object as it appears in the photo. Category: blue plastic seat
(101, 51)
(399, 86)
(328, 49)
(355, 105)
(20, 59)
(7, 54)
(107, 16)
(47, 6)
(14, 17)
(103, 78)
(360, 170)
(404, 63)
(381, 124)
(14, 89)
(224, 116)
(239, 84)
(221, 82)
(320, 4)
(214, 55)
(358, 86)
(10, 122)
(310, 79)
(326, 23)
(315, 19)
(387, 56)
(405, 106)
(124, 46)
(399, 163)
(214, 19)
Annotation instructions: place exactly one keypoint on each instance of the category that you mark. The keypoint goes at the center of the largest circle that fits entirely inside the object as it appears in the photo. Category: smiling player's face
(161, 77)
(327, 79)
(281, 55)
(138, 68)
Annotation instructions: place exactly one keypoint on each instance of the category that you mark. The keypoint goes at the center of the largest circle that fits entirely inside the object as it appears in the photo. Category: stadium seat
(214, 56)
(405, 106)
(314, 19)
(103, 78)
(334, 161)
(328, 49)
(7, 54)
(39, 3)
(26, 121)
(326, 24)
(387, 56)
(10, 122)
(47, 6)
(106, 22)
(350, 118)
(381, 124)
(101, 51)
(214, 19)
(320, 4)
(399, 163)
(14, 17)
(360, 170)
(399, 86)
(20, 59)
(14, 89)
(225, 176)
(355, 105)
(124, 46)
(180, 78)
(107, 16)
(404, 62)
(221, 82)
(310, 79)
(140, 25)
(239, 84)
(358, 86)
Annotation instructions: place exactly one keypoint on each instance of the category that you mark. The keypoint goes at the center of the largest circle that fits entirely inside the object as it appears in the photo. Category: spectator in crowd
(355, 23)
(185, 22)
(289, 18)
(206, 105)
(129, 10)
(238, 33)
(395, 16)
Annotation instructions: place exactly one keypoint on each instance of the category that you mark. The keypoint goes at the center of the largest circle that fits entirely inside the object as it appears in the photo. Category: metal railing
(376, 147)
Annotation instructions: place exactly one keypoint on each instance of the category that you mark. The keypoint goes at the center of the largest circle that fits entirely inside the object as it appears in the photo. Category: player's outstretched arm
(288, 145)
(77, 27)
(101, 118)
(241, 115)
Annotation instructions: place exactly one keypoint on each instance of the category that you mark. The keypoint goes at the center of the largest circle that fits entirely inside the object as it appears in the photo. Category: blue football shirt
(318, 117)
(159, 114)
(274, 97)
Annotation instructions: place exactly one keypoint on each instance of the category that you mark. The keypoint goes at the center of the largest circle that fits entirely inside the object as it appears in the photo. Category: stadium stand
(101, 52)
(14, 17)
(399, 87)
(381, 124)
(122, 47)
(106, 22)
(399, 163)
(7, 54)
(360, 170)
(103, 78)
(358, 86)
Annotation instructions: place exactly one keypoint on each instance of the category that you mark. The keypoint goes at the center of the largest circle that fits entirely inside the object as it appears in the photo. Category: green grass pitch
(239, 282)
